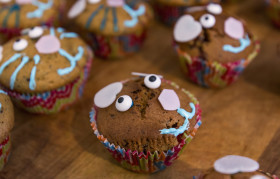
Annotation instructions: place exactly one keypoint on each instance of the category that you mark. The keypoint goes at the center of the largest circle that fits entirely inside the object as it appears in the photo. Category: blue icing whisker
(52, 31)
(24, 60)
(68, 35)
(114, 11)
(103, 23)
(8, 62)
(94, 13)
(13, 8)
(185, 126)
(41, 8)
(72, 60)
(134, 15)
(244, 43)
(32, 83)
(60, 29)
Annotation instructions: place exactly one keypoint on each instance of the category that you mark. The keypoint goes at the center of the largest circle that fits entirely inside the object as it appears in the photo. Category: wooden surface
(242, 119)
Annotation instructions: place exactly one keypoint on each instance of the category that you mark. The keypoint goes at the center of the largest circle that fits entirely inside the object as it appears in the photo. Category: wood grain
(242, 119)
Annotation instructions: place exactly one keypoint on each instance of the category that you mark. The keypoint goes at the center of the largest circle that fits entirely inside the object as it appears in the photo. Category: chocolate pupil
(152, 78)
(17, 40)
(206, 18)
(120, 100)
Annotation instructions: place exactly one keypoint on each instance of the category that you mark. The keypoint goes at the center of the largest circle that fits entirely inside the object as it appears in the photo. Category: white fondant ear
(233, 164)
(106, 96)
(186, 29)
(77, 9)
(169, 100)
(234, 28)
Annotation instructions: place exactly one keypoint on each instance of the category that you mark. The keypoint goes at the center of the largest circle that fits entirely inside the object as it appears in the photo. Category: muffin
(45, 69)
(150, 123)
(168, 11)
(113, 28)
(237, 167)
(6, 125)
(273, 11)
(16, 15)
(213, 47)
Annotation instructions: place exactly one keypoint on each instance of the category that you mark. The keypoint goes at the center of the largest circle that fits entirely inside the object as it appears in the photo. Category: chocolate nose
(48, 44)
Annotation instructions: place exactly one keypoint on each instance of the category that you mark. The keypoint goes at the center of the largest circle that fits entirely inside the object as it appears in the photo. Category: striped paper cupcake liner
(5, 150)
(213, 74)
(113, 47)
(148, 162)
(55, 100)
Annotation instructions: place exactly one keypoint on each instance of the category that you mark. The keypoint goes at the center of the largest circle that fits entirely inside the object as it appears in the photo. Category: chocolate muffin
(6, 125)
(150, 115)
(45, 69)
(114, 28)
(213, 47)
(168, 11)
(236, 167)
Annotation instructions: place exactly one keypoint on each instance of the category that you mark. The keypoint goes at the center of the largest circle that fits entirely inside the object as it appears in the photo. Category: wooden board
(242, 119)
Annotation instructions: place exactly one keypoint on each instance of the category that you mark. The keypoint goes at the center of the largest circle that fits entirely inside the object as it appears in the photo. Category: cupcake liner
(55, 100)
(148, 162)
(5, 150)
(116, 46)
(213, 74)
(273, 11)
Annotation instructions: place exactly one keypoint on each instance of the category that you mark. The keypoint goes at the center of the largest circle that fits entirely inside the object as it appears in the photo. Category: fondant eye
(124, 103)
(152, 81)
(35, 32)
(5, 1)
(20, 44)
(93, 1)
(207, 20)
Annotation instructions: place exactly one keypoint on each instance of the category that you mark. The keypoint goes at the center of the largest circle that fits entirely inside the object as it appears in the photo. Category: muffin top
(6, 115)
(236, 167)
(110, 17)
(27, 13)
(42, 60)
(148, 113)
(186, 3)
(208, 33)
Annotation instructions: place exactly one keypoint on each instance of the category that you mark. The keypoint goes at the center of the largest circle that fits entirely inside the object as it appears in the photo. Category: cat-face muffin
(237, 167)
(146, 115)
(6, 125)
(213, 47)
(44, 68)
(16, 15)
(114, 28)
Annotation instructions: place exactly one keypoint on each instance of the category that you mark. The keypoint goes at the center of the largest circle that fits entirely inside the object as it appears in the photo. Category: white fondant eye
(124, 103)
(5, 1)
(214, 8)
(77, 9)
(207, 20)
(259, 177)
(152, 81)
(20, 44)
(94, 1)
(35, 32)
(1, 50)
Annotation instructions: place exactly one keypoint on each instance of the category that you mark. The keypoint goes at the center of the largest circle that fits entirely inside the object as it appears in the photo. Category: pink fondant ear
(48, 44)
(115, 3)
(23, 1)
(169, 100)
(234, 28)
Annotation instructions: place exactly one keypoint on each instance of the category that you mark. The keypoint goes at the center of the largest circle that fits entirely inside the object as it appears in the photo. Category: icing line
(134, 14)
(72, 60)
(32, 83)
(103, 23)
(185, 126)
(93, 15)
(13, 8)
(244, 43)
(8, 62)
(68, 35)
(115, 20)
(24, 60)
(41, 8)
